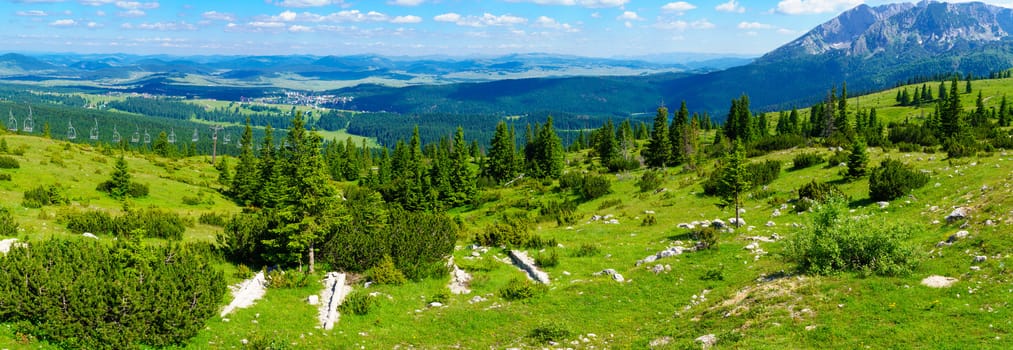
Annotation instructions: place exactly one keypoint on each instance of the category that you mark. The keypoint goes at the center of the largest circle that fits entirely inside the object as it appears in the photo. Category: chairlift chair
(147, 137)
(196, 136)
(28, 124)
(228, 137)
(172, 135)
(94, 131)
(136, 137)
(12, 123)
(71, 132)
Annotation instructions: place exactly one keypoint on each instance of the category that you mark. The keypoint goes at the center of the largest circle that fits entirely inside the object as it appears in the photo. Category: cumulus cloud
(406, 19)
(63, 23)
(678, 7)
(406, 2)
(306, 3)
(730, 6)
(132, 13)
(684, 25)
(219, 16)
(629, 16)
(136, 5)
(754, 25)
(584, 3)
(94, 25)
(295, 28)
(551, 23)
(341, 16)
(806, 7)
(161, 26)
(96, 2)
(485, 20)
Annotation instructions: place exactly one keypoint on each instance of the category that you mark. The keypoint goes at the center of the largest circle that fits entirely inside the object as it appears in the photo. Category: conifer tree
(735, 179)
(606, 146)
(246, 181)
(161, 146)
(500, 165)
(545, 159)
(858, 160)
(942, 91)
(462, 178)
(949, 118)
(272, 183)
(120, 179)
(679, 122)
(1003, 113)
(659, 147)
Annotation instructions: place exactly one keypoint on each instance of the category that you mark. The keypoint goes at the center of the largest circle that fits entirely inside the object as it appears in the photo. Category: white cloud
(678, 7)
(94, 25)
(260, 24)
(550, 23)
(100, 13)
(295, 28)
(161, 26)
(287, 16)
(405, 2)
(806, 7)
(629, 16)
(584, 3)
(341, 16)
(135, 5)
(754, 25)
(730, 6)
(307, 3)
(96, 2)
(681, 25)
(219, 16)
(485, 20)
(32, 13)
(406, 19)
(63, 23)
(132, 13)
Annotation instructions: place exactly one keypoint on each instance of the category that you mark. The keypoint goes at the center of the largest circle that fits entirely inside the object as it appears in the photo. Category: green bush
(714, 274)
(94, 221)
(563, 212)
(518, 289)
(279, 279)
(816, 192)
(5, 177)
(156, 223)
(834, 242)
(651, 180)
(761, 174)
(587, 249)
(510, 233)
(836, 159)
(45, 195)
(243, 272)
(595, 186)
(386, 273)
(806, 160)
(134, 189)
(893, 179)
(649, 220)
(357, 303)
(8, 162)
(94, 295)
(609, 203)
(550, 332)
(213, 219)
(549, 258)
(706, 236)
(8, 225)
(571, 181)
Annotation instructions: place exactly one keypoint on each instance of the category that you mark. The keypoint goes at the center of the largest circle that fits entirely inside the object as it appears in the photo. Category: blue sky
(600, 28)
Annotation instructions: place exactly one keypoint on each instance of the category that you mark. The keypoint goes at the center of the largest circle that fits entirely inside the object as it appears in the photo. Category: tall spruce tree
(858, 160)
(606, 146)
(462, 178)
(949, 118)
(659, 147)
(735, 179)
(246, 181)
(501, 165)
(675, 130)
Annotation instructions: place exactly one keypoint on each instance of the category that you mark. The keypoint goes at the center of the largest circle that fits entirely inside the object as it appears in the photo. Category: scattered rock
(718, 224)
(672, 251)
(989, 222)
(775, 237)
(611, 272)
(737, 222)
(776, 213)
(742, 211)
(476, 299)
(770, 224)
(649, 212)
(686, 226)
(334, 294)
(459, 279)
(7, 244)
(883, 205)
(980, 258)
(313, 299)
(435, 304)
(959, 213)
(89, 235)
(958, 236)
(752, 246)
(660, 342)
(707, 340)
(810, 327)
(936, 281)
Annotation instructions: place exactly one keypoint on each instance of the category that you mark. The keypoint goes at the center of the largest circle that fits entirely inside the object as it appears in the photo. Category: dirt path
(246, 293)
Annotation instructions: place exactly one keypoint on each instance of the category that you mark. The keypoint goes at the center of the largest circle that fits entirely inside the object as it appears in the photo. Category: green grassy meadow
(749, 300)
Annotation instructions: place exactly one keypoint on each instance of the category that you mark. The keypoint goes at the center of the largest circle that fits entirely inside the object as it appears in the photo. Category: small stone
(810, 327)
(936, 281)
(435, 304)
(975, 268)
(707, 340)
(980, 258)
(244, 341)
(313, 299)
(770, 224)
(883, 205)
(752, 246)
(776, 213)
(959, 213)
(89, 235)
(958, 236)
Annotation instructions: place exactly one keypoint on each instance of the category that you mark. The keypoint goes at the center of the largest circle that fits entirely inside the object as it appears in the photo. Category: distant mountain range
(869, 48)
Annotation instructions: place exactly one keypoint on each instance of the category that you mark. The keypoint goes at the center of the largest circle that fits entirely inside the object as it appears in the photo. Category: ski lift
(136, 137)
(29, 124)
(228, 137)
(71, 132)
(147, 137)
(172, 135)
(94, 131)
(116, 135)
(196, 137)
(12, 123)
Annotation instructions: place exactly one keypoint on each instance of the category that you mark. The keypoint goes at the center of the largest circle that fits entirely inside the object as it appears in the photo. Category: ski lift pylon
(12, 123)
(116, 135)
(29, 123)
(196, 136)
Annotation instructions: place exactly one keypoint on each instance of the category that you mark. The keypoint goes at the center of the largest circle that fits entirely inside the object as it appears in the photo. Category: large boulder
(959, 213)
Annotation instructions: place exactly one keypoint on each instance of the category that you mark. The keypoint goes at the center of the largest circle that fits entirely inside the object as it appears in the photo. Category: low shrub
(707, 237)
(518, 289)
(279, 279)
(45, 195)
(94, 221)
(834, 242)
(571, 181)
(8, 225)
(837, 158)
(587, 249)
(356, 303)
(594, 186)
(563, 212)
(155, 222)
(134, 189)
(806, 160)
(243, 271)
(893, 179)
(649, 220)
(714, 274)
(548, 258)
(651, 180)
(5, 177)
(764, 173)
(386, 273)
(547, 332)
(510, 233)
(816, 192)
(213, 219)
(609, 203)
(8, 162)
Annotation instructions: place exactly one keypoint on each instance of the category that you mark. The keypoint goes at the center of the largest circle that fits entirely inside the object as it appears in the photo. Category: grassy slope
(843, 311)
